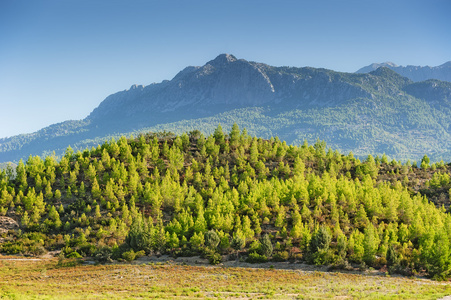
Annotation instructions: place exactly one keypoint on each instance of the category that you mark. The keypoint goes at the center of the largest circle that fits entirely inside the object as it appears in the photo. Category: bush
(341, 264)
(323, 257)
(87, 249)
(67, 262)
(11, 248)
(254, 257)
(103, 254)
(140, 254)
(73, 254)
(280, 256)
(214, 257)
(129, 255)
(380, 262)
(212, 239)
(37, 250)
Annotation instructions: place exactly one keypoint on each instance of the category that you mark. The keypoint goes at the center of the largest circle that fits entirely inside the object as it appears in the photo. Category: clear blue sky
(60, 58)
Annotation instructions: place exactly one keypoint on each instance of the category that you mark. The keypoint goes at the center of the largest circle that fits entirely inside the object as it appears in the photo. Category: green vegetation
(231, 196)
(67, 280)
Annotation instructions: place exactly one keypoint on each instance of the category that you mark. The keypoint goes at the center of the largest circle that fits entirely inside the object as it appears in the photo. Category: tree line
(228, 196)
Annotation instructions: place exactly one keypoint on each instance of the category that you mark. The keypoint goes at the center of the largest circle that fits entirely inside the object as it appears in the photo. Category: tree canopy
(228, 195)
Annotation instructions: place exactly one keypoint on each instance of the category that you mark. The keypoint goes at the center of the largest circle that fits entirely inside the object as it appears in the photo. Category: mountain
(374, 113)
(376, 66)
(415, 73)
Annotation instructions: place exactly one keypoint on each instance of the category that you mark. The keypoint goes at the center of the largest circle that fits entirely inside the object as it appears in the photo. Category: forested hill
(230, 196)
(375, 113)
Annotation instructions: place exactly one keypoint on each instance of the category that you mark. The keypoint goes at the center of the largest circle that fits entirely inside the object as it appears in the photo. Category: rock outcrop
(7, 224)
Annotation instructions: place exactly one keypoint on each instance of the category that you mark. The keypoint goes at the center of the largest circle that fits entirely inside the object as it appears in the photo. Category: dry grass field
(46, 279)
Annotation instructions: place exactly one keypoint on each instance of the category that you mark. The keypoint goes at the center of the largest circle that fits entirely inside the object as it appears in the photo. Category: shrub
(341, 264)
(73, 254)
(323, 257)
(214, 257)
(37, 250)
(11, 248)
(140, 254)
(103, 254)
(254, 257)
(266, 247)
(212, 239)
(280, 256)
(129, 255)
(67, 262)
(87, 249)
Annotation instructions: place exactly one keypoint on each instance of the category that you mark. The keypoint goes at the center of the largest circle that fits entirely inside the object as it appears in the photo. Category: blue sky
(60, 59)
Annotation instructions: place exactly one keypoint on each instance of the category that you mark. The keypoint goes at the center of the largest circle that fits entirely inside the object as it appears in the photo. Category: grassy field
(45, 279)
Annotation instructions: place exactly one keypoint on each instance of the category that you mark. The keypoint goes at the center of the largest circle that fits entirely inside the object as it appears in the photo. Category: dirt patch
(7, 224)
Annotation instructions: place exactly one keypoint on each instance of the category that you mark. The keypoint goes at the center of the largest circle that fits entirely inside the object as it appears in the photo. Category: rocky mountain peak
(136, 87)
(222, 59)
(285, 101)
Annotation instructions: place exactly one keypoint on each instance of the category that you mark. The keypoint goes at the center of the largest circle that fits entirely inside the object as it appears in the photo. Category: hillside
(229, 196)
(375, 113)
(415, 73)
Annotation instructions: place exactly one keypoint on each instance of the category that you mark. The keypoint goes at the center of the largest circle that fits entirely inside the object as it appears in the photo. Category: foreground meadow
(46, 279)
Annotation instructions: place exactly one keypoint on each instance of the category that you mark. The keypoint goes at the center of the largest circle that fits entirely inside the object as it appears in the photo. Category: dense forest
(230, 196)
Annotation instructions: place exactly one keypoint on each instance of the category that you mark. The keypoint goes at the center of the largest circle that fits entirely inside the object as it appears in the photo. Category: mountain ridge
(377, 112)
(415, 73)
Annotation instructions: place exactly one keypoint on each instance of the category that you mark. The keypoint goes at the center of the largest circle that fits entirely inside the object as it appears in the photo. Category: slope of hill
(415, 73)
(379, 112)
(227, 196)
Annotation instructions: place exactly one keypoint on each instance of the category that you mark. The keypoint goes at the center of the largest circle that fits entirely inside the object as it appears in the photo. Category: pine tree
(211, 239)
(321, 239)
(266, 247)
(370, 245)
(139, 237)
(219, 135)
(361, 219)
(234, 139)
(238, 242)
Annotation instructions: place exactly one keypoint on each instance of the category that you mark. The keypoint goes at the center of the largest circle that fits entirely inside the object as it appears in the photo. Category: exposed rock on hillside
(7, 224)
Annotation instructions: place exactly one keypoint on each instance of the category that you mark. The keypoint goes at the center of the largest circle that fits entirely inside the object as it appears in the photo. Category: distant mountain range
(374, 113)
(415, 73)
